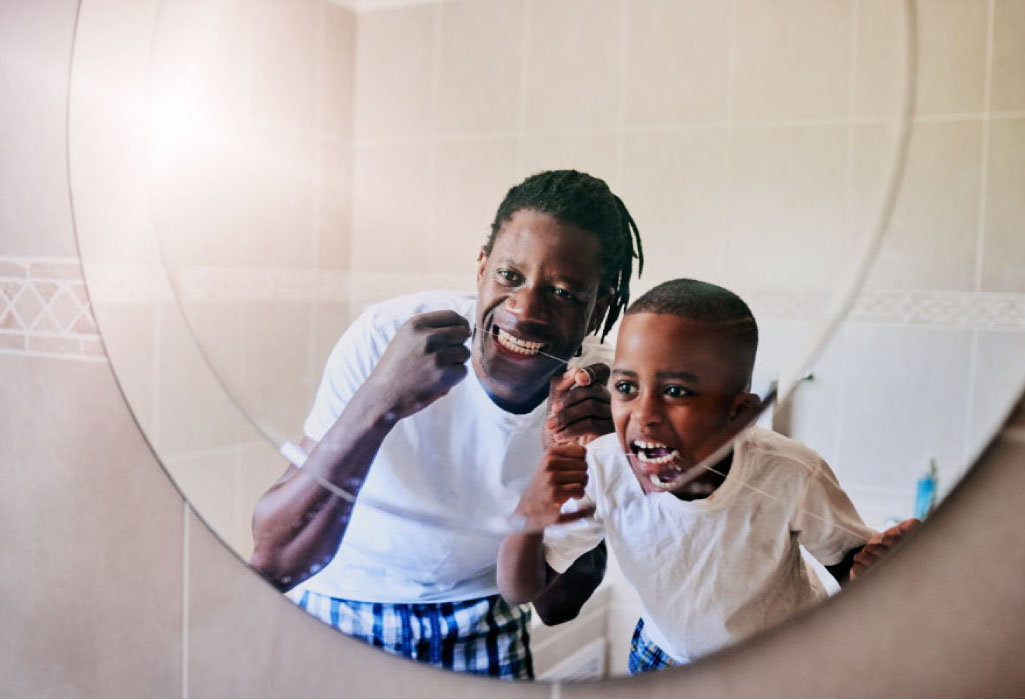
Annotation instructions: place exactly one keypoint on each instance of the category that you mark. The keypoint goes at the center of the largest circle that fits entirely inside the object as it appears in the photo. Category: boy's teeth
(524, 347)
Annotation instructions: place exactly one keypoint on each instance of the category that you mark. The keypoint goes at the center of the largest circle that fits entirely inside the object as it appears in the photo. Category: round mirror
(251, 181)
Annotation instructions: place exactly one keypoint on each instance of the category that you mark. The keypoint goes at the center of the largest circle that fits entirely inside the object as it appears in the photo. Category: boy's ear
(745, 407)
(601, 305)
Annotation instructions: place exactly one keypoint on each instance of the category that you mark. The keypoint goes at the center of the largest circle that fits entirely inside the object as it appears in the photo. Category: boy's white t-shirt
(714, 571)
(460, 456)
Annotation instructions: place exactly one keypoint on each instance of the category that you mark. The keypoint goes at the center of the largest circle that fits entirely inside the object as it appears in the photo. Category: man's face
(537, 297)
(676, 388)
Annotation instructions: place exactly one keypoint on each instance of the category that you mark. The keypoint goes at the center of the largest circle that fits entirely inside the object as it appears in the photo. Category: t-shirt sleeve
(826, 521)
(350, 363)
(564, 544)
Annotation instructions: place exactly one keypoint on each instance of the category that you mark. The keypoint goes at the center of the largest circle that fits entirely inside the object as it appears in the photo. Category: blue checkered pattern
(645, 655)
(484, 636)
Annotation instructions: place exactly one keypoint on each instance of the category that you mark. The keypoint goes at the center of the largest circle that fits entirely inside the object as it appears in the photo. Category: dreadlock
(584, 201)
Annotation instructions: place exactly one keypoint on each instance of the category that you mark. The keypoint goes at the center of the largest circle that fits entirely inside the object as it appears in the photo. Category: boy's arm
(567, 593)
(523, 574)
(857, 560)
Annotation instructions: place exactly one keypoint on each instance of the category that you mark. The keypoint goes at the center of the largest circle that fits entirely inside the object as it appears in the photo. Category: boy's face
(678, 387)
(537, 297)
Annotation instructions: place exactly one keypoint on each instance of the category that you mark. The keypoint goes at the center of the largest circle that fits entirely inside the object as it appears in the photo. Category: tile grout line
(185, 600)
(987, 98)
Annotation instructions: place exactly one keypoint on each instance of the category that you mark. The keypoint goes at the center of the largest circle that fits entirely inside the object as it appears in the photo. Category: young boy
(713, 552)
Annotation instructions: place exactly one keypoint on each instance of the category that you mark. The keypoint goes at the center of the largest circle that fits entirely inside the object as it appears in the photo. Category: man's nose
(527, 304)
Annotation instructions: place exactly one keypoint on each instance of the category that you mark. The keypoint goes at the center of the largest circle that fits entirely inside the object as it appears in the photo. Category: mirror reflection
(305, 168)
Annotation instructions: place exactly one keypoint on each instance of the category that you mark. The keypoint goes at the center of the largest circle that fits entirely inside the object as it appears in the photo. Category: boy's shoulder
(761, 446)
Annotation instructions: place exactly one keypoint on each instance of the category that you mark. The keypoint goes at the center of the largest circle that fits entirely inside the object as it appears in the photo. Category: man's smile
(516, 344)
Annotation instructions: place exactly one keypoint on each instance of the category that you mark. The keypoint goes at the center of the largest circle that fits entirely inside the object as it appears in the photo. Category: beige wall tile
(394, 73)
(278, 380)
(1003, 253)
(1008, 56)
(933, 235)
(594, 154)
(195, 412)
(248, 624)
(676, 188)
(336, 67)
(35, 210)
(678, 61)
(574, 61)
(788, 223)
(277, 211)
(334, 205)
(879, 58)
(792, 59)
(207, 481)
(905, 395)
(473, 177)
(94, 586)
(392, 208)
(481, 55)
(284, 62)
(952, 56)
(331, 319)
(129, 339)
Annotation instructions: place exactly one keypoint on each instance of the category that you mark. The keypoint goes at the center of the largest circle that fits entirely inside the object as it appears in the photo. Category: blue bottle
(925, 499)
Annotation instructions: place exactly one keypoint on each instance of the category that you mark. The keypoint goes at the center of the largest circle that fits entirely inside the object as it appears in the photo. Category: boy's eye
(624, 387)
(676, 391)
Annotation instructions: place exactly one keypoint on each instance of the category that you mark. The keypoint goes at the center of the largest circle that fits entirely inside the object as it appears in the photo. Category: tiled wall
(749, 147)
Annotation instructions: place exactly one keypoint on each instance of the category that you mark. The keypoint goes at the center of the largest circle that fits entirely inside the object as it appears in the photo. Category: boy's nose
(647, 409)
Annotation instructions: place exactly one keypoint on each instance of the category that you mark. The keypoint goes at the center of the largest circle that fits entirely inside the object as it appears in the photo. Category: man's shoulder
(399, 309)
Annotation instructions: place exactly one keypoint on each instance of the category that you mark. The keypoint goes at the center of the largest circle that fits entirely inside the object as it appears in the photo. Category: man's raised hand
(425, 359)
(578, 406)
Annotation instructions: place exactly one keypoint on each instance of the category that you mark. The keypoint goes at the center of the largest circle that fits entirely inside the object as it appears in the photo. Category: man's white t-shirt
(714, 571)
(461, 456)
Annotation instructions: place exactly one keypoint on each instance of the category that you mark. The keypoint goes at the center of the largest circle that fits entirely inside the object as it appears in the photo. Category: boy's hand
(561, 476)
(578, 406)
(879, 544)
(425, 359)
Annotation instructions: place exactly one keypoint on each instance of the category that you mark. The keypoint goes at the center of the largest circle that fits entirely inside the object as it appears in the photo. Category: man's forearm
(298, 524)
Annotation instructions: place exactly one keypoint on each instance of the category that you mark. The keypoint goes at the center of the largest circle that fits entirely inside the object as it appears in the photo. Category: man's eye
(563, 294)
(624, 388)
(508, 275)
(677, 392)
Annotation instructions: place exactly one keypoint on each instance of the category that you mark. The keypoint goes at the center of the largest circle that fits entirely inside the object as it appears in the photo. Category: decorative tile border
(44, 310)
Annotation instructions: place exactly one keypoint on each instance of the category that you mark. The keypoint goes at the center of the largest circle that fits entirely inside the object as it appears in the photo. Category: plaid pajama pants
(483, 636)
(645, 655)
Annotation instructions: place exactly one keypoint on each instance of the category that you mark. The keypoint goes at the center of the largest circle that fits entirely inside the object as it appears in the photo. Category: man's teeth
(524, 347)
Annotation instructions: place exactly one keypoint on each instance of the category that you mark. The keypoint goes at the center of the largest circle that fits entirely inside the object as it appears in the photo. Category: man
(401, 419)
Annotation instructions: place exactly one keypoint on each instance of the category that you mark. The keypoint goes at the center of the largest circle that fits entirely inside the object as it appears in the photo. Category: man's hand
(425, 359)
(561, 476)
(578, 406)
(879, 544)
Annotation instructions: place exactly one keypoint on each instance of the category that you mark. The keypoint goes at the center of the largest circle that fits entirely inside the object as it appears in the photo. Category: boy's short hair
(708, 303)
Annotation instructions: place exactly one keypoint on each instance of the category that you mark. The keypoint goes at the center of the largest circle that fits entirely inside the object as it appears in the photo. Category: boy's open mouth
(519, 346)
(661, 457)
